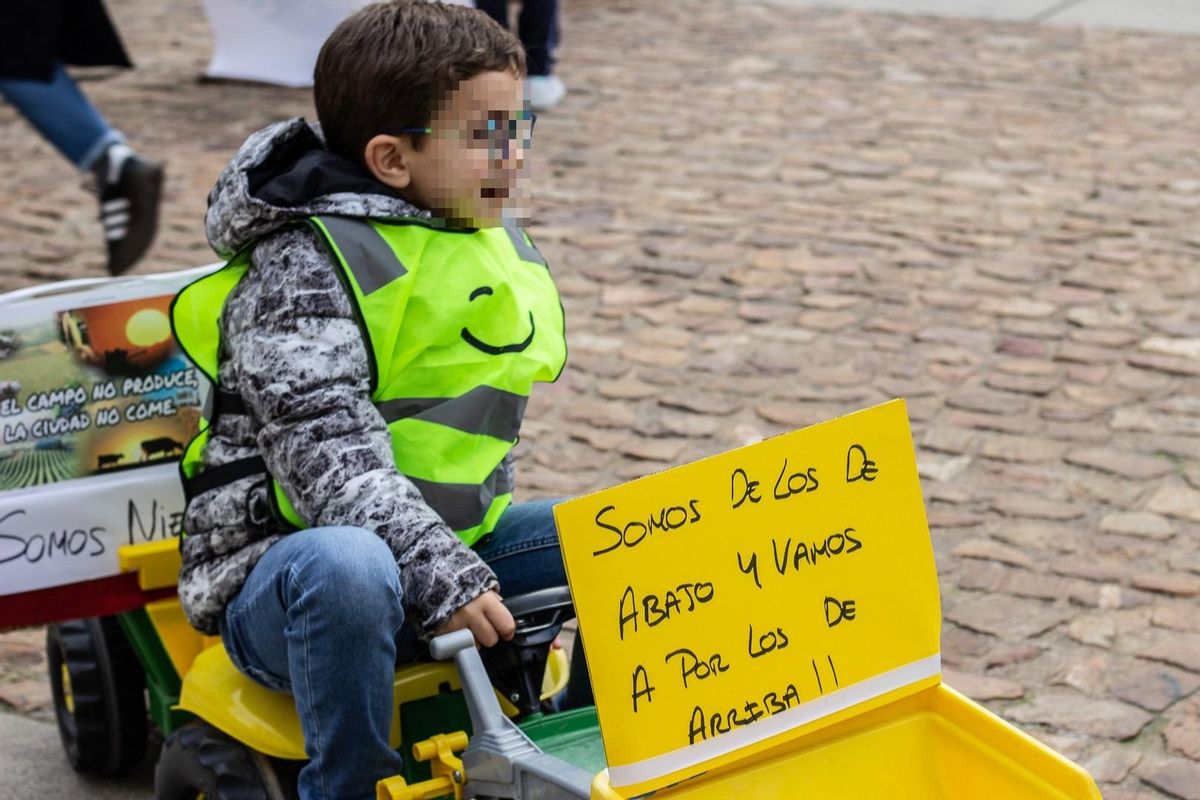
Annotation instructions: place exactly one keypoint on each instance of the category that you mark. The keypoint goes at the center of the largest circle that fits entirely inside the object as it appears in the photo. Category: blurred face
(469, 167)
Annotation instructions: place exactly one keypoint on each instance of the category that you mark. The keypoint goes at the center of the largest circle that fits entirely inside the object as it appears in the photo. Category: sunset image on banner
(93, 390)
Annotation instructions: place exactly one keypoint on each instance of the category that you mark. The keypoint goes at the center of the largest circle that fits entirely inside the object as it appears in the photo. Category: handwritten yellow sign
(729, 604)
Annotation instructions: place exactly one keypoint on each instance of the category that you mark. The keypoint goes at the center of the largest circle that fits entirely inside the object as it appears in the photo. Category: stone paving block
(599, 439)
(1006, 617)
(700, 403)
(981, 687)
(1176, 500)
(552, 482)
(1133, 466)
(628, 389)
(941, 469)
(666, 450)
(1177, 777)
(1021, 449)
(1152, 686)
(955, 518)
(1006, 655)
(1170, 364)
(1042, 536)
(575, 460)
(1098, 397)
(986, 402)
(1138, 523)
(1038, 385)
(993, 575)
(1178, 648)
(1088, 374)
(600, 414)
(1073, 711)
(1185, 347)
(1182, 733)
(989, 550)
(1046, 330)
(1111, 764)
(1075, 431)
(1099, 630)
(1138, 792)
(693, 426)
(1189, 561)
(793, 415)
(948, 439)
(1085, 354)
(1172, 583)
(1178, 614)
(1069, 412)
(991, 422)
(22, 651)
(27, 695)
(1085, 675)
(1037, 508)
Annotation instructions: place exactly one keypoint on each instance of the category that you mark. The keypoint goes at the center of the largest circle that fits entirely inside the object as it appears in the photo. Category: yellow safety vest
(459, 325)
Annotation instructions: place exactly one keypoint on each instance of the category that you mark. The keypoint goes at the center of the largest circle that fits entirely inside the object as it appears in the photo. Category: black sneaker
(130, 188)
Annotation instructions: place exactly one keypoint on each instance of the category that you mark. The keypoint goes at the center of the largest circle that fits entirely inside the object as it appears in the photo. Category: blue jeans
(63, 116)
(321, 616)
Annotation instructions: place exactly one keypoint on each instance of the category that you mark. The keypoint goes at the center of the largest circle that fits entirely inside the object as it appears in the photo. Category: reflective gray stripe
(524, 249)
(368, 256)
(464, 505)
(483, 410)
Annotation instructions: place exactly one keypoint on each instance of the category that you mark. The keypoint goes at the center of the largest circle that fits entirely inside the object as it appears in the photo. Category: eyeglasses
(497, 135)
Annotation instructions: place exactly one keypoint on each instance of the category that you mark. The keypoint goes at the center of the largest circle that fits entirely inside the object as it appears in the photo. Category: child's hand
(486, 617)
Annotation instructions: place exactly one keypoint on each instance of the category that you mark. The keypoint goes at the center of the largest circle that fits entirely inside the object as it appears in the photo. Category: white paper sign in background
(275, 41)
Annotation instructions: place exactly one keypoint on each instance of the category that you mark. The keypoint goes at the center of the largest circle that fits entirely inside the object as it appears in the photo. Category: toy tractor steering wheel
(516, 667)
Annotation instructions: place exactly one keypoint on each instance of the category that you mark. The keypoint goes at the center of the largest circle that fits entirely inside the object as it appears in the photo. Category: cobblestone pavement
(761, 218)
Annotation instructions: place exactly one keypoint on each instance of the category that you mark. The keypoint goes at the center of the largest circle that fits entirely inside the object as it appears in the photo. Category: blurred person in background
(38, 38)
(537, 28)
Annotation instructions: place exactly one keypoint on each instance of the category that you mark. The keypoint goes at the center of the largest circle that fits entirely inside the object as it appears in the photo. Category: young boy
(374, 338)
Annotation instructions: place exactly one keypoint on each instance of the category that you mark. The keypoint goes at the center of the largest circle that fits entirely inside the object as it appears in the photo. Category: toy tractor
(227, 737)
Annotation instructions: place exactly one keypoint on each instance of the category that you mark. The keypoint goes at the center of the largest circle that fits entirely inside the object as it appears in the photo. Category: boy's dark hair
(386, 67)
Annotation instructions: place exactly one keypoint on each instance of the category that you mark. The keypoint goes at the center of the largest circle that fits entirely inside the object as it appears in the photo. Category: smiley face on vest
(493, 349)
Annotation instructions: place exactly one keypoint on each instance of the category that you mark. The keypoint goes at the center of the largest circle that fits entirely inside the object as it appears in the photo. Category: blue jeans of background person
(537, 28)
(321, 616)
(63, 115)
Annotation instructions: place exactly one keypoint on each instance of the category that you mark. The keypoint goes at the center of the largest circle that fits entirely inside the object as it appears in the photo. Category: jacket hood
(283, 173)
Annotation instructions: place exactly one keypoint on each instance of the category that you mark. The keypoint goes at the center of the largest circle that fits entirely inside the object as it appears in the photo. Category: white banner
(97, 403)
(69, 532)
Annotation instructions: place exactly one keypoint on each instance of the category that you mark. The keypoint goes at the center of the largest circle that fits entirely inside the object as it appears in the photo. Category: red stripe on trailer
(96, 598)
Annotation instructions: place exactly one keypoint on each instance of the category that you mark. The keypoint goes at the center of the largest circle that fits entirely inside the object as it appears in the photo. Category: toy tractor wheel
(99, 694)
(199, 761)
